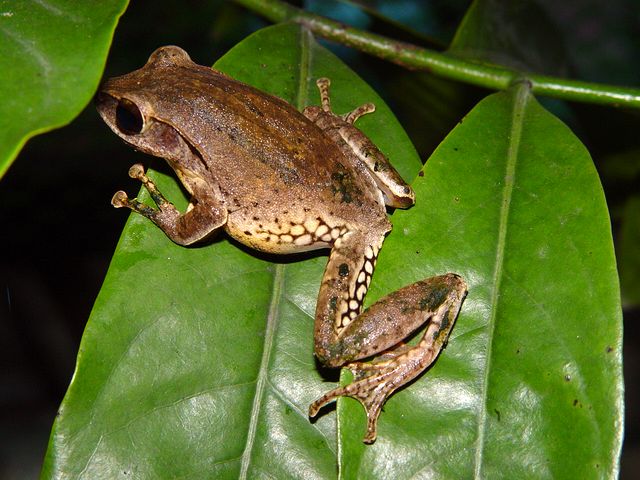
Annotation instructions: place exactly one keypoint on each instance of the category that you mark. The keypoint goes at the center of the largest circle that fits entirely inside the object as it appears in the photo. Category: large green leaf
(52, 54)
(197, 362)
(530, 385)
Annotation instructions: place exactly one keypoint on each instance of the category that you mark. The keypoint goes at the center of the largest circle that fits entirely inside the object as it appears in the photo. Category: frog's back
(281, 177)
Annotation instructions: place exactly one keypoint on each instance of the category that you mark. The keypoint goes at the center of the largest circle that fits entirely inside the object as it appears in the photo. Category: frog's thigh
(394, 317)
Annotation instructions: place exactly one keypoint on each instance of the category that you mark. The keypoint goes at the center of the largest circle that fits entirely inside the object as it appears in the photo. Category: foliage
(198, 362)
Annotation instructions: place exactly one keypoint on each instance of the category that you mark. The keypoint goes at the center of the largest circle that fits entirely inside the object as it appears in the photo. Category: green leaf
(198, 362)
(530, 385)
(52, 54)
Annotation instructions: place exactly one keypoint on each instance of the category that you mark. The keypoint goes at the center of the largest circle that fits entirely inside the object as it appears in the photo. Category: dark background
(59, 230)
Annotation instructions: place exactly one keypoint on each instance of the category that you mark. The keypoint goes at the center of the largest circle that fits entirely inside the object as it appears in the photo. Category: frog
(281, 181)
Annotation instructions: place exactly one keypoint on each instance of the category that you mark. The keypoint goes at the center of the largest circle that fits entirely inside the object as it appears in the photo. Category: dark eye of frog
(129, 119)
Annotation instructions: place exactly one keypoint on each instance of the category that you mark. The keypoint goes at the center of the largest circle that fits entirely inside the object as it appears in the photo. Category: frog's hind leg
(358, 147)
(184, 229)
(343, 337)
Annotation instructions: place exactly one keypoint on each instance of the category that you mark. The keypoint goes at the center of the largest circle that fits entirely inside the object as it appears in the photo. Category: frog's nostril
(129, 119)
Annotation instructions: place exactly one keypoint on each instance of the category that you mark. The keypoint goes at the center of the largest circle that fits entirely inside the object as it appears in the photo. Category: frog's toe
(120, 199)
(137, 172)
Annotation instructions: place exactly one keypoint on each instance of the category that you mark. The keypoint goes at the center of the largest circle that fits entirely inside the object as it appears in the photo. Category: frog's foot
(325, 101)
(120, 199)
(374, 382)
(184, 229)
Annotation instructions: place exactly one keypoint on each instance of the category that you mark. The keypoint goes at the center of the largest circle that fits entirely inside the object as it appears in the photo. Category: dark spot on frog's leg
(443, 327)
(343, 270)
(255, 219)
(333, 305)
(434, 298)
(248, 233)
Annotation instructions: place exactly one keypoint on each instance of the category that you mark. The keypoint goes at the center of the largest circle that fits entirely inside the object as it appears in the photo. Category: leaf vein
(272, 320)
(521, 97)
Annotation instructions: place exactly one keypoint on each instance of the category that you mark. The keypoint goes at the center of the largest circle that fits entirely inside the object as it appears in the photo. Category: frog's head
(147, 108)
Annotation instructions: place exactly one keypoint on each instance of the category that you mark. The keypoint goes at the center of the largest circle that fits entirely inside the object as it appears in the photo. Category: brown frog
(281, 181)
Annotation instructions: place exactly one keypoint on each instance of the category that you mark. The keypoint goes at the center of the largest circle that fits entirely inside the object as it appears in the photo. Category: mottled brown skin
(280, 181)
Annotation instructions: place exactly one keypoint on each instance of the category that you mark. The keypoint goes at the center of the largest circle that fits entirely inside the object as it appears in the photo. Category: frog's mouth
(137, 127)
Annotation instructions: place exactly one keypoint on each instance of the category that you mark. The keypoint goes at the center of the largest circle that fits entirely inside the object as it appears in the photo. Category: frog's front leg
(344, 335)
(202, 217)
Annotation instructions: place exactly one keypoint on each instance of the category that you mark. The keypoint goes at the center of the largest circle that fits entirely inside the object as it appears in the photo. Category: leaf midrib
(521, 96)
(272, 319)
(278, 284)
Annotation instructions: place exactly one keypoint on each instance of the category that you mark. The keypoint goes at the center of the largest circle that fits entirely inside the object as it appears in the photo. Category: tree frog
(281, 181)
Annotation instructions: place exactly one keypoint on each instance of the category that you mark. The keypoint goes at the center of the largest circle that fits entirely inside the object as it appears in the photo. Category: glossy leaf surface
(530, 385)
(52, 54)
(197, 362)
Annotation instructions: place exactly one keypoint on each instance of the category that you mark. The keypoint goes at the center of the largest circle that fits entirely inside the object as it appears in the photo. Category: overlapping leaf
(512, 202)
(52, 54)
(198, 362)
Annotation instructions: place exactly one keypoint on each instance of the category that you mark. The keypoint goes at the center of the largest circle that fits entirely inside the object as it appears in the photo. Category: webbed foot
(371, 387)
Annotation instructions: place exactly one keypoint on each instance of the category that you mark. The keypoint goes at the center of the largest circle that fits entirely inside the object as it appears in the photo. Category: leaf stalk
(494, 77)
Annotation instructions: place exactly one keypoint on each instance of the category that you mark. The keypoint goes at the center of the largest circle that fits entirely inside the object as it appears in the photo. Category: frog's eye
(129, 119)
